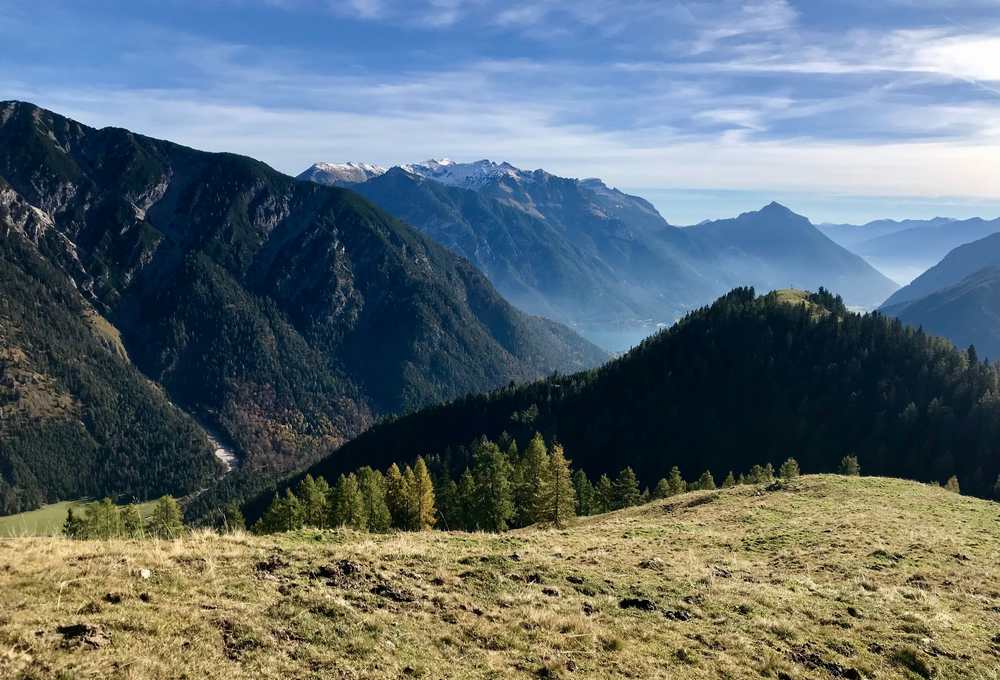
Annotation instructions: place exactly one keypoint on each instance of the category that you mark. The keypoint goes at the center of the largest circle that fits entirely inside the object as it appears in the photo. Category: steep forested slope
(747, 380)
(286, 314)
(76, 418)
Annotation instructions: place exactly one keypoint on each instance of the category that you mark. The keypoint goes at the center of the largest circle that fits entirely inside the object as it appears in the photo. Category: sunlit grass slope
(822, 577)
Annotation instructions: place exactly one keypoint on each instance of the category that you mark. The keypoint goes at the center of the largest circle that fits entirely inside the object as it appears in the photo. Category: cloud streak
(749, 96)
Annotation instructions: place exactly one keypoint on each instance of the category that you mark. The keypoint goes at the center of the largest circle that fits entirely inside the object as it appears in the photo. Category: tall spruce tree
(559, 496)
(166, 520)
(495, 497)
(584, 493)
(627, 491)
(284, 514)
(396, 497)
(232, 518)
(315, 497)
(348, 507)
(605, 494)
(536, 464)
(789, 469)
(371, 484)
(75, 525)
(662, 489)
(468, 499)
(132, 524)
(103, 520)
(730, 481)
(677, 483)
(706, 482)
(425, 510)
(448, 502)
(410, 504)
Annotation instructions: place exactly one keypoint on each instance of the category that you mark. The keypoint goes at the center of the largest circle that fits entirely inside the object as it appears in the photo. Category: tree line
(105, 520)
(503, 487)
(748, 378)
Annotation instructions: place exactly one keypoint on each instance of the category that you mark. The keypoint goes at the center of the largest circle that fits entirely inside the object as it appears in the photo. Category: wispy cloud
(746, 95)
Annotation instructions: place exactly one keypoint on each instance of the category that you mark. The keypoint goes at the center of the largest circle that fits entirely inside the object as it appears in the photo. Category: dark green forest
(77, 418)
(747, 379)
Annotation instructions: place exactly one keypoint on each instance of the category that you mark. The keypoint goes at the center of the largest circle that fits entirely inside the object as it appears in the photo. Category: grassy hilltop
(821, 577)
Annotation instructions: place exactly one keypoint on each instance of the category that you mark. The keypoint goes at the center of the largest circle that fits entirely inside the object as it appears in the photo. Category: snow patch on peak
(342, 173)
(467, 175)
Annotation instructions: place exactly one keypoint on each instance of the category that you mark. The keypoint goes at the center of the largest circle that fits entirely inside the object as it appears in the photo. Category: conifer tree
(757, 475)
(849, 466)
(768, 473)
(232, 518)
(559, 500)
(75, 525)
(706, 482)
(996, 489)
(315, 497)
(495, 498)
(132, 525)
(425, 511)
(410, 503)
(952, 485)
(534, 494)
(448, 502)
(284, 514)
(646, 496)
(730, 481)
(789, 469)
(626, 492)
(348, 507)
(677, 483)
(103, 520)
(371, 485)
(604, 494)
(584, 493)
(468, 499)
(166, 520)
(396, 497)
(662, 489)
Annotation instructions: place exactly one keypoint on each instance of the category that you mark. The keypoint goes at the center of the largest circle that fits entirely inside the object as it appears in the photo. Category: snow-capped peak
(467, 175)
(342, 173)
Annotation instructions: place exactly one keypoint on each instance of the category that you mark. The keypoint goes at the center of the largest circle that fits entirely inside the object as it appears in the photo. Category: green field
(48, 519)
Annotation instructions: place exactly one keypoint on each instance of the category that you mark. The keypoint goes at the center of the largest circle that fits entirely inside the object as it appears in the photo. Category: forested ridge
(748, 379)
(76, 418)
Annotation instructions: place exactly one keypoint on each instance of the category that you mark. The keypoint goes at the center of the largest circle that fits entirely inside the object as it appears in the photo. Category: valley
(679, 356)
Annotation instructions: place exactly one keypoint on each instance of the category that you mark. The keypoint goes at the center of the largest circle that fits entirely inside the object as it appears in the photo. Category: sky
(845, 111)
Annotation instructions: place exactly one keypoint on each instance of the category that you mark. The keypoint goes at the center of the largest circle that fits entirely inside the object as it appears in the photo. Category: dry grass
(828, 577)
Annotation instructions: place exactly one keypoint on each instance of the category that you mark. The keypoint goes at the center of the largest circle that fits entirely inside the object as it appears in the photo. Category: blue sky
(844, 110)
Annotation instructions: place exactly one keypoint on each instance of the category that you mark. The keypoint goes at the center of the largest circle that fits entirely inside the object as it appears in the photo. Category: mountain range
(603, 261)
(958, 298)
(197, 288)
(905, 249)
